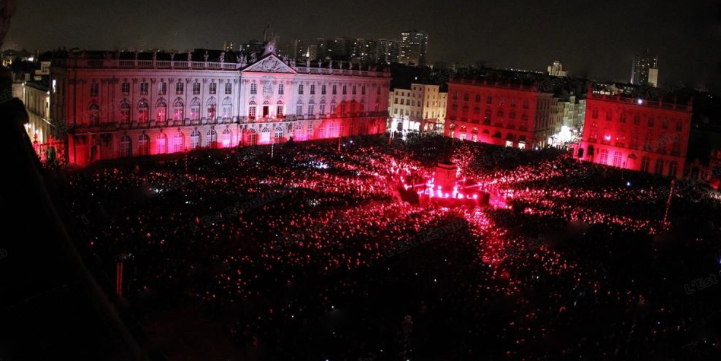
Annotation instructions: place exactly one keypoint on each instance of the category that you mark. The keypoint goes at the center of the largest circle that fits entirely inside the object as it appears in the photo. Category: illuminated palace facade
(501, 114)
(126, 104)
(636, 134)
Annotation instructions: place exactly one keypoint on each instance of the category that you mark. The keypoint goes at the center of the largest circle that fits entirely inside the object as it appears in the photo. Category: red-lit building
(636, 134)
(511, 115)
(127, 104)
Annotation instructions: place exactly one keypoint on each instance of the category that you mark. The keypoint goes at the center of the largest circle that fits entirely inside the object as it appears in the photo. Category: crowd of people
(296, 252)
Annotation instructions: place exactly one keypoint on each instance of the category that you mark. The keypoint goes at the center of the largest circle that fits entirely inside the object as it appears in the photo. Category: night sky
(591, 38)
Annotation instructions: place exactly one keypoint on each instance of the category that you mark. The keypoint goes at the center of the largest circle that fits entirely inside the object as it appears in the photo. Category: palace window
(211, 108)
(94, 89)
(300, 89)
(125, 88)
(212, 139)
(179, 142)
(281, 89)
(227, 136)
(650, 122)
(251, 110)
(179, 88)
(94, 114)
(253, 88)
(143, 88)
(144, 144)
(659, 167)
(195, 139)
(645, 163)
(280, 110)
(363, 90)
(312, 89)
(228, 88)
(335, 89)
(178, 109)
(125, 146)
(143, 110)
(603, 157)
(196, 88)
(489, 100)
(345, 89)
(195, 109)
(124, 112)
(672, 169)
(161, 144)
(162, 88)
(227, 108)
(212, 88)
(161, 110)
(322, 89)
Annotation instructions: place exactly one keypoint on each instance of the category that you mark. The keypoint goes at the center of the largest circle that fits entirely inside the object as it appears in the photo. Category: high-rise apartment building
(645, 69)
(413, 48)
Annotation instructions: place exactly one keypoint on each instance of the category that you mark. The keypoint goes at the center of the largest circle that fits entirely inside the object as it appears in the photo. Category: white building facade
(422, 108)
(115, 107)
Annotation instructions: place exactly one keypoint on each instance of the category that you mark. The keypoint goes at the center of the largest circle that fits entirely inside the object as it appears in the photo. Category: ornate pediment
(269, 64)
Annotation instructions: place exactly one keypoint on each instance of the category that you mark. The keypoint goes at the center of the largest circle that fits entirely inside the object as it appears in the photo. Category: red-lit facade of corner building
(636, 134)
(500, 114)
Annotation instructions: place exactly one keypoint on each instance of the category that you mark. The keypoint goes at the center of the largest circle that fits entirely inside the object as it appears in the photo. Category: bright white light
(640, 101)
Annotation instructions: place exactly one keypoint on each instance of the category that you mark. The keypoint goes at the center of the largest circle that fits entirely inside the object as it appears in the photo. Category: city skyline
(522, 35)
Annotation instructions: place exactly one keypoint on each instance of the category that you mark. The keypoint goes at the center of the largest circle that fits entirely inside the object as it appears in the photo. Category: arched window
(144, 144)
(125, 146)
(279, 109)
(617, 159)
(603, 156)
(251, 137)
(195, 109)
(266, 109)
(278, 134)
(212, 139)
(265, 136)
(161, 110)
(227, 108)
(143, 111)
(162, 144)
(227, 137)
(672, 169)
(211, 106)
(179, 142)
(659, 167)
(252, 107)
(94, 118)
(477, 110)
(178, 109)
(195, 139)
(124, 112)
(500, 115)
(645, 164)
(332, 106)
(299, 107)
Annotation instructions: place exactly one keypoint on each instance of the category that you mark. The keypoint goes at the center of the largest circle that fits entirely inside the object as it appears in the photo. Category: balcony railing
(113, 126)
(143, 64)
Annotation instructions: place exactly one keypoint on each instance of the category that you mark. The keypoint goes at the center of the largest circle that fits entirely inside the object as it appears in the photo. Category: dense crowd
(298, 252)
